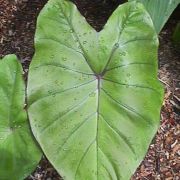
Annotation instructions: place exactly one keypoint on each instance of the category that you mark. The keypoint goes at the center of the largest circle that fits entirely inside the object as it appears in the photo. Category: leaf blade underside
(86, 107)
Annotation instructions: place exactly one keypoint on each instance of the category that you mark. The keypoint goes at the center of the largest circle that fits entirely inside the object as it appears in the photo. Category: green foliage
(159, 10)
(19, 154)
(176, 35)
(93, 97)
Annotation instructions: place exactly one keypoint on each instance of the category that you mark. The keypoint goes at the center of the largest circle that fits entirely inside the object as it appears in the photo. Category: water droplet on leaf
(92, 94)
(128, 75)
(116, 45)
(84, 42)
(64, 59)
(71, 31)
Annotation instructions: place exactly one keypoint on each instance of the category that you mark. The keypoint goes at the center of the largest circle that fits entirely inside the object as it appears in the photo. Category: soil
(162, 162)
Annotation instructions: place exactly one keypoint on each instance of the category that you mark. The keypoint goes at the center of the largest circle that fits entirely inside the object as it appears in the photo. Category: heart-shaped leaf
(19, 153)
(93, 97)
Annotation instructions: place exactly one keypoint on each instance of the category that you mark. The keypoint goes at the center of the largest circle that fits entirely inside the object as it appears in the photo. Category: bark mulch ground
(162, 162)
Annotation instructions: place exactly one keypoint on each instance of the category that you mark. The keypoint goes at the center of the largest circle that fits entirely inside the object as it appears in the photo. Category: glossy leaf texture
(159, 10)
(93, 97)
(19, 154)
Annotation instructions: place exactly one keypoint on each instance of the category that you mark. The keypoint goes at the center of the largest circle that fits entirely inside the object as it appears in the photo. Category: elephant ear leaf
(19, 153)
(93, 97)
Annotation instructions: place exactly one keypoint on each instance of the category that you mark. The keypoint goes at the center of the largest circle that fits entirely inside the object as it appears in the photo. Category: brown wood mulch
(162, 162)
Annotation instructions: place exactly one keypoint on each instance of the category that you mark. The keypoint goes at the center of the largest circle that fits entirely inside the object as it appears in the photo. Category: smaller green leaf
(19, 153)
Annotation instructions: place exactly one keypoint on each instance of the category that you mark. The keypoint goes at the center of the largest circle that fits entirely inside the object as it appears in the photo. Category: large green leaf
(159, 10)
(19, 154)
(93, 97)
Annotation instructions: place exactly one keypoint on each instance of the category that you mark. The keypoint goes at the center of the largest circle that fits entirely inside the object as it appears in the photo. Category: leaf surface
(159, 10)
(94, 97)
(19, 153)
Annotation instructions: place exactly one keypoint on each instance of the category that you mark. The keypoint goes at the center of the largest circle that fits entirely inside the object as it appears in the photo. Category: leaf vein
(67, 112)
(114, 47)
(127, 107)
(83, 156)
(60, 92)
(63, 67)
(120, 135)
(109, 162)
(80, 125)
(60, 43)
(134, 40)
(130, 64)
(133, 85)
